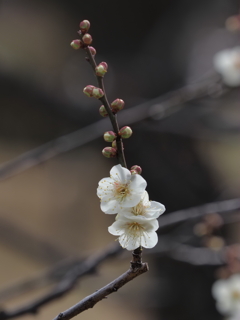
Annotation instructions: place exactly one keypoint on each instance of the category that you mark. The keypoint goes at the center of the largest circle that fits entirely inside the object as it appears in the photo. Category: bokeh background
(50, 212)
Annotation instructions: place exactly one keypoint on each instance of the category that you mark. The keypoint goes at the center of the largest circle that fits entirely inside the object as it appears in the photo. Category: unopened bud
(103, 111)
(125, 132)
(93, 51)
(109, 136)
(109, 152)
(114, 144)
(136, 169)
(97, 93)
(87, 39)
(84, 26)
(76, 44)
(101, 69)
(88, 90)
(117, 105)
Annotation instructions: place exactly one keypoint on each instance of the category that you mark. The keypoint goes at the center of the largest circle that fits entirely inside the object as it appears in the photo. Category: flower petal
(118, 173)
(138, 184)
(149, 239)
(109, 206)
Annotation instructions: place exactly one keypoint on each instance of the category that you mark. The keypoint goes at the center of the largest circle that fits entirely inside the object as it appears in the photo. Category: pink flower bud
(125, 132)
(93, 51)
(109, 152)
(117, 105)
(103, 111)
(88, 90)
(87, 38)
(101, 69)
(136, 170)
(76, 44)
(109, 136)
(84, 26)
(97, 93)
(104, 64)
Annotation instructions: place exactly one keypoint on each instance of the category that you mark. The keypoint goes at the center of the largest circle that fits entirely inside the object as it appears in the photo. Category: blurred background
(50, 212)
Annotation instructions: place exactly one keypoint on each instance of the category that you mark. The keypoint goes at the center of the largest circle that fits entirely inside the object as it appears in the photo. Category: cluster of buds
(94, 92)
(86, 38)
(111, 152)
(97, 93)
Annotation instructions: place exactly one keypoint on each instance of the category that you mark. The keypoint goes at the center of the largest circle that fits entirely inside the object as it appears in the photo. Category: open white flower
(121, 190)
(135, 232)
(227, 63)
(227, 294)
(148, 209)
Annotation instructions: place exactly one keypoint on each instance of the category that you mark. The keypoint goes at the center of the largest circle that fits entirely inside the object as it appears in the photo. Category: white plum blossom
(227, 63)
(148, 209)
(227, 295)
(121, 190)
(135, 231)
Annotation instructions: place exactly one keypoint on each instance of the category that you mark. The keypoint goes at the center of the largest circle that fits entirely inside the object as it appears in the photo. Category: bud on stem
(109, 136)
(103, 111)
(125, 132)
(87, 38)
(76, 44)
(109, 152)
(101, 69)
(117, 105)
(136, 170)
(84, 26)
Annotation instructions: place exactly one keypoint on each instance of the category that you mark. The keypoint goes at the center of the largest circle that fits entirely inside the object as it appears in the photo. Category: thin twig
(104, 100)
(137, 268)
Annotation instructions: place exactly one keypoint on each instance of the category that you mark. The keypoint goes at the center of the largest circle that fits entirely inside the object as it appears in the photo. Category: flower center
(121, 191)
(235, 295)
(134, 228)
(138, 210)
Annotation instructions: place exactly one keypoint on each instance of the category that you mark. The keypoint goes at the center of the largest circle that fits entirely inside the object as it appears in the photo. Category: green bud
(114, 144)
(97, 93)
(76, 44)
(109, 136)
(88, 90)
(84, 26)
(87, 38)
(125, 132)
(103, 111)
(93, 51)
(117, 105)
(101, 69)
(109, 152)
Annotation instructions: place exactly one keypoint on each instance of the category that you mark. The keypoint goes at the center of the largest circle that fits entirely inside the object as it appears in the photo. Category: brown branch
(160, 107)
(91, 300)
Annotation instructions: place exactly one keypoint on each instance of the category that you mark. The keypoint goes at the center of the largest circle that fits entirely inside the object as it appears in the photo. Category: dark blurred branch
(65, 285)
(196, 212)
(158, 108)
(50, 276)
